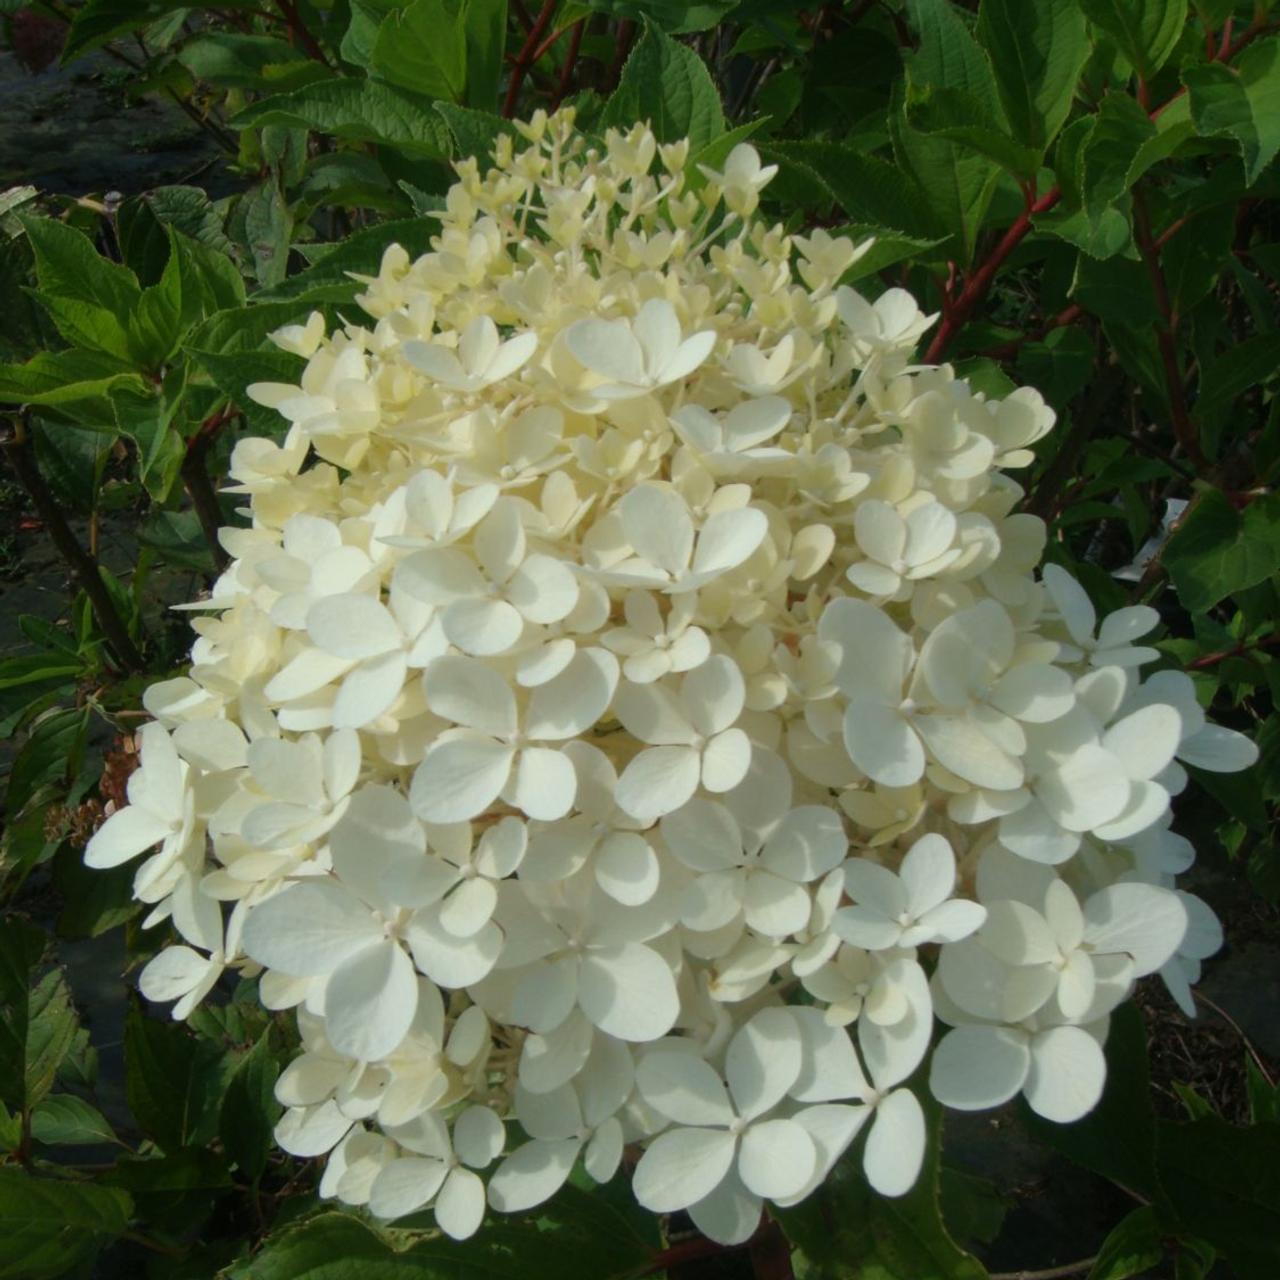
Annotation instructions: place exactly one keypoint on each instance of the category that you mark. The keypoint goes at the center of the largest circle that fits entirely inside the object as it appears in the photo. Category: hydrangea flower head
(632, 718)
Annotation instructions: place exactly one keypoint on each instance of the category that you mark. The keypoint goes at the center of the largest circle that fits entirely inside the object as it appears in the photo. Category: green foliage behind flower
(1083, 190)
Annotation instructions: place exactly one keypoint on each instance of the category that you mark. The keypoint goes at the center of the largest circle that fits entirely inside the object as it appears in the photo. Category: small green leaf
(1217, 550)
(64, 1120)
(84, 325)
(98, 21)
(1131, 1248)
(69, 267)
(48, 1226)
(231, 59)
(174, 1081)
(1120, 130)
(485, 37)
(1145, 31)
(250, 1110)
(1241, 102)
(423, 48)
(358, 111)
(1037, 51)
(475, 132)
(966, 120)
(267, 228)
(667, 84)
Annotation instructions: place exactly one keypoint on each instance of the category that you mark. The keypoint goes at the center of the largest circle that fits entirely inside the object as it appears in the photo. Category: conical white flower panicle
(627, 639)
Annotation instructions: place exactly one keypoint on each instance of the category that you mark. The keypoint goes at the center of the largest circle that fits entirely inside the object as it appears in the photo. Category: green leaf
(948, 57)
(87, 326)
(667, 84)
(72, 460)
(48, 1226)
(972, 1207)
(485, 37)
(1037, 51)
(475, 132)
(1145, 31)
(358, 111)
(267, 228)
(34, 668)
(232, 59)
(146, 417)
(1116, 290)
(1118, 1137)
(1241, 102)
(675, 17)
(1131, 1247)
(250, 1110)
(51, 754)
(174, 1082)
(65, 378)
(956, 183)
(92, 901)
(966, 120)
(64, 1120)
(232, 372)
(98, 21)
(1195, 256)
(423, 48)
(69, 267)
(1264, 1097)
(330, 279)
(1217, 550)
(156, 326)
(189, 210)
(1121, 129)
(1223, 1185)
(867, 188)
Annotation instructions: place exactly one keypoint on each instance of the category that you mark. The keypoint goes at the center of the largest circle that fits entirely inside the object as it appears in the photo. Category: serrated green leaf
(356, 110)
(423, 48)
(1131, 1247)
(84, 325)
(1036, 51)
(1145, 31)
(233, 59)
(1241, 102)
(1217, 550)
(174, 1081)
(1121, 128)
(62, 1119)
(965, 120)
(98, 21)
(68, 267)
(48, 1226)
(249, 1109)
(474, 132)
(65, 378)
(668, 85)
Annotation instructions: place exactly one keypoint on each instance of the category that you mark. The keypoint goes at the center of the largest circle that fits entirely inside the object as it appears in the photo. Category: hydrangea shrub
(634, 717)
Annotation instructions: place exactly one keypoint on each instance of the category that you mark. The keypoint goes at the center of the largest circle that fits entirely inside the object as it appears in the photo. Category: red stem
(298, 30)
(975, 288)
(570, 62)
(1212, 659)
(1166, 337)
(527, 57)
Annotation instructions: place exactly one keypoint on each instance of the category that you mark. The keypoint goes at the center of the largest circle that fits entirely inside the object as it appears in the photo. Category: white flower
(899, 549)
(479, 360)
(691, 738)
(908, 909)
(654, 646)
(493, 753)
(635, 357)
(440, 1169)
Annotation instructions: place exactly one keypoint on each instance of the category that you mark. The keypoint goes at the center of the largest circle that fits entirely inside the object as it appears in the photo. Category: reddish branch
(570, 62)
(298, 31)
(527, 56)
(622, 46)
(1243, 649)
(1167, 337)
(957, 310)
(195, 476)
